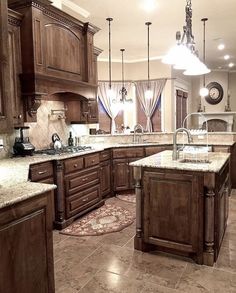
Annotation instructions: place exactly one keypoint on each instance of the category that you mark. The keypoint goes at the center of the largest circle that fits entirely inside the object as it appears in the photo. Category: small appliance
(22, 145)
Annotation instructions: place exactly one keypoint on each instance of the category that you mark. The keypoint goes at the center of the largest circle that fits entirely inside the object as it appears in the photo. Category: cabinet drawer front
(105, 155)
(41, 171)
(81, 200)
(128, 152)
(154, 150)
(74, 164)
(81, 182)
(91, 160)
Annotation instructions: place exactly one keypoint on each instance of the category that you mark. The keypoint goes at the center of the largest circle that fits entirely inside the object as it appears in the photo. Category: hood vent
(58, 54)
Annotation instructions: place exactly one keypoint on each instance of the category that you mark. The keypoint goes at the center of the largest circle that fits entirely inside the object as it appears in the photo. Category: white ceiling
(130, 32)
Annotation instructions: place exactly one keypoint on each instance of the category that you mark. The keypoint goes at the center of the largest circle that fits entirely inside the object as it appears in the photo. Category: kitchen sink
(195, 161)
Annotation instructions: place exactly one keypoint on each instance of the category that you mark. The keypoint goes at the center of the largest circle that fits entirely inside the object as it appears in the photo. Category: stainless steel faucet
(137, 127)
(175, 154)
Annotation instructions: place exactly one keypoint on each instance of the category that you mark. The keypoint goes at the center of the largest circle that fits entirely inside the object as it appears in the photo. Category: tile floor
(108, 263)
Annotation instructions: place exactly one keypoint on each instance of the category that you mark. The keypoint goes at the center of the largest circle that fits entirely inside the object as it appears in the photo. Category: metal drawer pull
(75, 165)
(93, 161)
(42, 172)
(86, 199)
(84, 179)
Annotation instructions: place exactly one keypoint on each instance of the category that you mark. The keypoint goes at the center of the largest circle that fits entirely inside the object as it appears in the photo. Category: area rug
(129, 197)
(107, 219)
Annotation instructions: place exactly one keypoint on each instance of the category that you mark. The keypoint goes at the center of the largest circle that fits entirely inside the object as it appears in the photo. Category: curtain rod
(168, 78)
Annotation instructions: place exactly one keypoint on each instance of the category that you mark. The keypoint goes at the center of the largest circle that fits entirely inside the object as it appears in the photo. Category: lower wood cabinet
(78, 188)
(27, 246)
(179, 194)
(105, 178)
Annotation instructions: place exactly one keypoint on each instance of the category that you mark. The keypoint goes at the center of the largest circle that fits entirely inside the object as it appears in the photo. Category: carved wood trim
(138, 192)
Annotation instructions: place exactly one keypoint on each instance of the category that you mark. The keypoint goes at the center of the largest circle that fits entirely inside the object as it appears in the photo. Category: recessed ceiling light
(231, 64)
(149, 5)
(226, 57)
(221, 46)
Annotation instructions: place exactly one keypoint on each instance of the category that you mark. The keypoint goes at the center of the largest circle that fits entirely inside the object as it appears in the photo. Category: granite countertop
(14, 184)
(164, 160)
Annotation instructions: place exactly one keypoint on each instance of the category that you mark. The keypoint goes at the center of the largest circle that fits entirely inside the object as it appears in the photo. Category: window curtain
(149, 105)
(111, 105)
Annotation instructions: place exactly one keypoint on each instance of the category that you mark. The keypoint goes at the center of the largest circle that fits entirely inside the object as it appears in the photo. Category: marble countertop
(163, 160)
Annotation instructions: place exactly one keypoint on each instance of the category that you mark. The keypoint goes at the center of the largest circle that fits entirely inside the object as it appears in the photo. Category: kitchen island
(182, 207)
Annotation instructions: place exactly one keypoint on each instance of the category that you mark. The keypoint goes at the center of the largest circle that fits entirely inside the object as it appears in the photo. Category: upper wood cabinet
(58, 54)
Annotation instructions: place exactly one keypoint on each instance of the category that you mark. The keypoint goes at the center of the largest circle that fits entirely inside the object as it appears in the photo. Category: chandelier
(123, 92)
(184, 55)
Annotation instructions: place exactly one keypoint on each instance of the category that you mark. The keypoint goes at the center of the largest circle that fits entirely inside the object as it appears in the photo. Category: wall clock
(215, 93)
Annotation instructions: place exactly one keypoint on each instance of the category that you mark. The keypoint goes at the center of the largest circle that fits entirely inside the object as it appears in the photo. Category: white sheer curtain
(111, 105)
(149, 105)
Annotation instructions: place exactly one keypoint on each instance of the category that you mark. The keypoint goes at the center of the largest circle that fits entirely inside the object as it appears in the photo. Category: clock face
(215, 93)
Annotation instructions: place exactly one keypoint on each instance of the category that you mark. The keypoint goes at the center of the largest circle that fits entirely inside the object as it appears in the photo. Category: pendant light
(148, 93)
(110, 92)
(123, 92)
(204, 91)
(183, 55)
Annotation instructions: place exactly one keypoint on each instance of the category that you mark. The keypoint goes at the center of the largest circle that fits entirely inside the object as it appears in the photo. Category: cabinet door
(121, 174)
(172, 211)
(105, 178)
(26, 247)
(92, 111)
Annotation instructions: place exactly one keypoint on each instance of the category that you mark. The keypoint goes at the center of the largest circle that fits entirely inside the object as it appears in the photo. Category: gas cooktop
(64, 150)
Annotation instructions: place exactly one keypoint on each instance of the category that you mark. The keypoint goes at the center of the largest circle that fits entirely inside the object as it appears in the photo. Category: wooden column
(60, 196)
(209, 253)
(138, 191)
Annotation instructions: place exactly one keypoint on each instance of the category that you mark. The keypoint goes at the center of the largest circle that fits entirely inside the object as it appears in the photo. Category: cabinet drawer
(91, 160)
(221, 149)
(128, 152)
(41, 171)
(81, 180)
(82, 200)
(74, 164)
(105, 155)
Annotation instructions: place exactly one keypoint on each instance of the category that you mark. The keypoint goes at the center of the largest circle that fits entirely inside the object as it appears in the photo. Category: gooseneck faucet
(175, 154)
(137, 127)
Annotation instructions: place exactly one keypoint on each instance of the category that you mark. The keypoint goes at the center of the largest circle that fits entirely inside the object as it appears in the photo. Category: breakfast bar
(182, 206)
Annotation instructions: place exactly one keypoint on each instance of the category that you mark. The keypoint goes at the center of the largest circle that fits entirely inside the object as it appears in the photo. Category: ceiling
(130, 32)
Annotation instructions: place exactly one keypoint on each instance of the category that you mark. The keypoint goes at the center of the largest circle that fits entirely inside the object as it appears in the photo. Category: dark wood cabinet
(82, 111)
(151, 150)
(27, 246)
(105, 173)
(58, 54)
(178, 229)
(78, 181)
(122, 172)
(43, 173)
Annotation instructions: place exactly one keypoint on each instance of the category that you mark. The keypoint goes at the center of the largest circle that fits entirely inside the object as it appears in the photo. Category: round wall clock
(215, 93)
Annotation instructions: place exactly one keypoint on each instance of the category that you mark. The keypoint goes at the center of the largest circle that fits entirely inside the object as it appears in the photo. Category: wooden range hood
(58, 54)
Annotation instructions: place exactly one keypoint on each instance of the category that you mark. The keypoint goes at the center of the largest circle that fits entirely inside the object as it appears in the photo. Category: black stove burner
(64, 150)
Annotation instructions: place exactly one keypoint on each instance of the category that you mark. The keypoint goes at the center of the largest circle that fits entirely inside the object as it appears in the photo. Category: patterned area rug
(129, 197)
(107, 219)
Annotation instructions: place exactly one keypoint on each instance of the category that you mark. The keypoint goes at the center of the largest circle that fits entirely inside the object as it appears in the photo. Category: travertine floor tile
(112, 283)
(196, 279)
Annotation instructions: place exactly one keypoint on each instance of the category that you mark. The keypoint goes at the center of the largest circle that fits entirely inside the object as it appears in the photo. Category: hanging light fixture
(123, 92)
(110, 92)
(204, 90)
(148, 93)
(184, 55)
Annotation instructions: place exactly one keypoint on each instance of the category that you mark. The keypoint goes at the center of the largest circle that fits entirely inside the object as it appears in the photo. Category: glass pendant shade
(197, 68)
(148, 94)
(203, 92)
